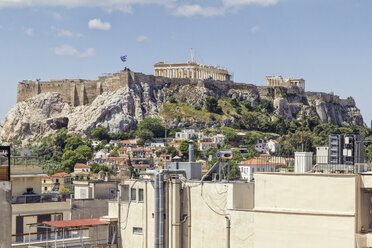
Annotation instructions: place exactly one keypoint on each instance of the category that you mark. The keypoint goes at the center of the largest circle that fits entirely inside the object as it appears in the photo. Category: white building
(82, 168)
(272, 146)
(189, 134)
(219, 139)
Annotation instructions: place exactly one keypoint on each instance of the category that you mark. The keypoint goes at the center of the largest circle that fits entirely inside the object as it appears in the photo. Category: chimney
(191, 152)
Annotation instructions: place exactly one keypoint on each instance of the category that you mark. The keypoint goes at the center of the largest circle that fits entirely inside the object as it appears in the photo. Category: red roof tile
(82, 166)
(75, 223)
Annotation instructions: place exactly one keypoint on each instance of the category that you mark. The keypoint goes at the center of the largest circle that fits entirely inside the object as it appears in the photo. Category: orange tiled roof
(78, 165)
(61, 174)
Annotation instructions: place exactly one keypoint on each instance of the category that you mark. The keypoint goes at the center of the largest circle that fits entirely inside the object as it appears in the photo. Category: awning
(75, 223)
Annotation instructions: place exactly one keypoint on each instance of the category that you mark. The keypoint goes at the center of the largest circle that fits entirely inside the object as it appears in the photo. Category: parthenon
(279, 81)
(191, 70)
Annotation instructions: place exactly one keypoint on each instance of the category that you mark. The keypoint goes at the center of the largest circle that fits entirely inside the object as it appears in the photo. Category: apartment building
(288, 210)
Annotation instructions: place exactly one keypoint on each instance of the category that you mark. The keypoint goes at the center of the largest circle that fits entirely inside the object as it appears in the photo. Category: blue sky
(326, 42)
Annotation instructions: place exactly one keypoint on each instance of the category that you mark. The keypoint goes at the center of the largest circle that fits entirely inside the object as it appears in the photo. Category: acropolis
(191, 70)
(272, 81)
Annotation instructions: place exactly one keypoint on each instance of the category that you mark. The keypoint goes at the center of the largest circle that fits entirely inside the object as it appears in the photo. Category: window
(140, 195)
(133, 194)
(57, 180)
(44, 181)
(45, 188)
(137, 230)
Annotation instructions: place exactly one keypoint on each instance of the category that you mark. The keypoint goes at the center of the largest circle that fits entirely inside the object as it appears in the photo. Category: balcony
(39, 198)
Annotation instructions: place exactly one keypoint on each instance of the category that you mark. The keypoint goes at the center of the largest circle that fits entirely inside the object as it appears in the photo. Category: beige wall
(20, 184)
(5, 213)
(313, 193)
(305, 210)
(209, 209)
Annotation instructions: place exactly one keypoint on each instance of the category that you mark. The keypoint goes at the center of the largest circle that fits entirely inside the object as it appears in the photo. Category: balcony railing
(39, 198)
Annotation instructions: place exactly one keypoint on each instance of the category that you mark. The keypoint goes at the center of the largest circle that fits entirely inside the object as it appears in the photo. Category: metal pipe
(188, 217)
(176, 213)
(161, 210)
(156, 186)
(191, 152)
(159, 203)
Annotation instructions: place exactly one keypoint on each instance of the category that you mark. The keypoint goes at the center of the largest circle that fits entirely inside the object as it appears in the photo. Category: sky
(326, 42)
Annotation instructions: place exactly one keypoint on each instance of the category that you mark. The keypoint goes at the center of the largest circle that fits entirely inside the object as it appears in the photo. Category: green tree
(70, 158)
(172, 151)
(184, 149)
(212, 106)
(144, 135)
(80, 155)
(152, 124)
(115, 152)
(267, 106)
(73, 142)
(61, 138)
(64, 190)
(85, 151)
(101, 133)
(230, 134)
(249, 121)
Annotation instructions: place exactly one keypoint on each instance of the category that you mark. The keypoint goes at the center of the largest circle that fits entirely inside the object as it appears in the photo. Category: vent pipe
(191, 152)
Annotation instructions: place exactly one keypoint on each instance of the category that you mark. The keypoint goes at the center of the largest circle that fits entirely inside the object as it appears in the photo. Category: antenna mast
(192, 55)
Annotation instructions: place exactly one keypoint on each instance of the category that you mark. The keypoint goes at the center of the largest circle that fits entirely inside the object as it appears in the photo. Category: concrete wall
(305, 210)
(5, 214)
(89, 208)
(20, 184)
(209, 209)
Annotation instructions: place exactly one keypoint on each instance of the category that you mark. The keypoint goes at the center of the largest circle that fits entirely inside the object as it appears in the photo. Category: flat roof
(75, 223)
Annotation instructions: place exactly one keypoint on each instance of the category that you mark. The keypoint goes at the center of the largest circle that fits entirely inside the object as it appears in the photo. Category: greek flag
(123, 58)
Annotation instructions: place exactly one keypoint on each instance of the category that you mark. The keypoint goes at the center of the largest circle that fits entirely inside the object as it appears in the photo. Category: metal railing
(39, 198)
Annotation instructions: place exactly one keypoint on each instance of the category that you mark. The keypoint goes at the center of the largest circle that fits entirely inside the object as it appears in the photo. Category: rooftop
(82, 166)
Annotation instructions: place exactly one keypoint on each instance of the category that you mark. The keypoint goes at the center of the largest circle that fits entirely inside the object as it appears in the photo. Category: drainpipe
(161, 210)
(227, 231)
(188, 217)
(156, 185)
(176, 214)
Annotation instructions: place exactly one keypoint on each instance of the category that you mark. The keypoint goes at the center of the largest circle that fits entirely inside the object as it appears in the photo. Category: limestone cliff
(121, 109)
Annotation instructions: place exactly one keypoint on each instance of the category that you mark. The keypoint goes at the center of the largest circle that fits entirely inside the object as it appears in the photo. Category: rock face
(121, 110)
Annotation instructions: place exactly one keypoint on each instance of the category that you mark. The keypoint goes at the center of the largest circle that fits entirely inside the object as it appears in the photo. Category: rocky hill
(121, 109)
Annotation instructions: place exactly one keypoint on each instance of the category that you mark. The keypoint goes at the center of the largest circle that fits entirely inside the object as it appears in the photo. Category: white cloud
(89, 52)
(65, 33)
(142, 38)
(67, 50)
(254, 29)
(188, 10)
(98, 24)
(29, 32)
(235, 3)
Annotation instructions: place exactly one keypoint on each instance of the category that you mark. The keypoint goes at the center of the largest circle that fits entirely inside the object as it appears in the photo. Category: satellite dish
(25, 152)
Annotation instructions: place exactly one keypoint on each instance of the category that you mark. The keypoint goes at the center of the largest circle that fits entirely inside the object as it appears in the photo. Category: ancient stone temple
(191, 70)
(273, 81)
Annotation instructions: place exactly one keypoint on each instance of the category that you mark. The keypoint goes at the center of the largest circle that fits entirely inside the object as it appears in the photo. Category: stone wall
(76, 92)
